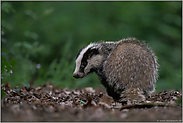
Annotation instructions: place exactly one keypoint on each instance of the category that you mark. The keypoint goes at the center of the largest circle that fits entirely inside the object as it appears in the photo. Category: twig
(142, 105)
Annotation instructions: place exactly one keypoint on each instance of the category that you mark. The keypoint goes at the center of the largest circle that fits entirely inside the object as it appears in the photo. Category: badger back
(131, 65)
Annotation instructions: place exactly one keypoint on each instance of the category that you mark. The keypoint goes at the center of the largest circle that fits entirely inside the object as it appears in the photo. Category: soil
(49, 103)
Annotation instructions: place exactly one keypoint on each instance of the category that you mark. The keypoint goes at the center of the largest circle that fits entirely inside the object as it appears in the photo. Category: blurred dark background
(40, 40)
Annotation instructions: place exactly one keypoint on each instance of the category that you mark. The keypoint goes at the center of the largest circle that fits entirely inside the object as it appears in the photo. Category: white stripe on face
(79, 58)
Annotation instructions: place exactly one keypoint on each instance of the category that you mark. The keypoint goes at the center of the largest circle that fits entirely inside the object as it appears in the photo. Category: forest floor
(49, 103)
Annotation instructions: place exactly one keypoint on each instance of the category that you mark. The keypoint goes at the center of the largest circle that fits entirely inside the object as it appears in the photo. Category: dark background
(40, 40)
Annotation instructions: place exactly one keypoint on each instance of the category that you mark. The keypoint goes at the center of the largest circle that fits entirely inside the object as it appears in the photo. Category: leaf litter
(50, 103)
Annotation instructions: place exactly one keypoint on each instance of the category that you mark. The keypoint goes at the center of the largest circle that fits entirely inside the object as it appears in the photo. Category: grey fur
(127, 68)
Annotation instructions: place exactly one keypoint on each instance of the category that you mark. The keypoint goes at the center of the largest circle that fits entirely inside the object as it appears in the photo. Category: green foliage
(82, 102)
(179, 101)
(43, 38)
(5, 66)
(26, 85)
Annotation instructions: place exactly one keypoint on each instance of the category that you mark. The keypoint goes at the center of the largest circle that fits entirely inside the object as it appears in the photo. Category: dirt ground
(49, 103)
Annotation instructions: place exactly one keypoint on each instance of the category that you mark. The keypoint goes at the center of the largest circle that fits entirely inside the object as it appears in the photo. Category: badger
(127, 68)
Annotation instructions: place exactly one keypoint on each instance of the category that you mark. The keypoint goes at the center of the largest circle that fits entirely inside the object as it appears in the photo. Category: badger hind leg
(132, 95)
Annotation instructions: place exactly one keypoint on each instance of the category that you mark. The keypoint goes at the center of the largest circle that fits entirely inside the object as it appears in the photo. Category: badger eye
(90, 55)
(83, 64)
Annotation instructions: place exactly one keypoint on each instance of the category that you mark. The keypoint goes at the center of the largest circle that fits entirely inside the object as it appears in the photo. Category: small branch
(142, 105)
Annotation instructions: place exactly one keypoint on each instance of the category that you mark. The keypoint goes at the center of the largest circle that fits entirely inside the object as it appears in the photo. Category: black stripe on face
(87, 55)
(79, 52)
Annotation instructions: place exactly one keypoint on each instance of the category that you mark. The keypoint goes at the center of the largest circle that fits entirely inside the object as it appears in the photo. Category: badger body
(127, 68)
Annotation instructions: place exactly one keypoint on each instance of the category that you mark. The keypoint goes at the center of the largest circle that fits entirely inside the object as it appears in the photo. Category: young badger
(127, 68)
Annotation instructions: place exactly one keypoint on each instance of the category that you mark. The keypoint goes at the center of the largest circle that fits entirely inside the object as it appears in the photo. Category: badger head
(88, 60)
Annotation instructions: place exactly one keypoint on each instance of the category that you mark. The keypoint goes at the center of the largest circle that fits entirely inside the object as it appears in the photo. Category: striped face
(87, 60)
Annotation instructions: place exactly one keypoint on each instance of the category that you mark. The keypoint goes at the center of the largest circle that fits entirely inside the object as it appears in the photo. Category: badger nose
(76, 75)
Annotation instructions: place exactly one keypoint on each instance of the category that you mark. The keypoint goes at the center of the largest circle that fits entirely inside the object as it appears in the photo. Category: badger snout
(78, 75)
